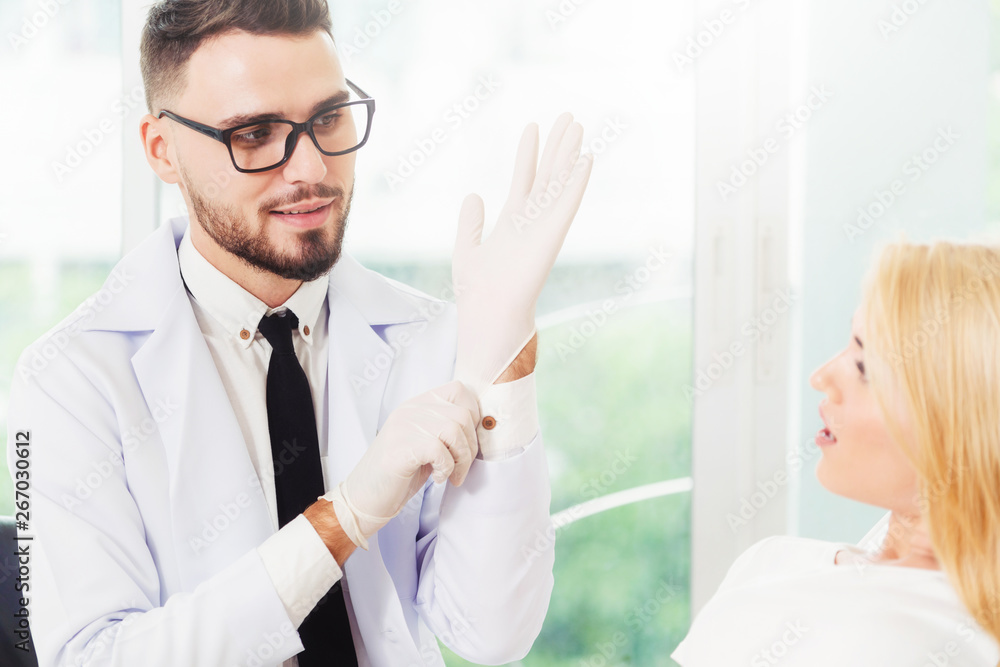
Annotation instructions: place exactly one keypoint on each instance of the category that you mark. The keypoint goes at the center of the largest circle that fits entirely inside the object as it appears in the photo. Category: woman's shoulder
(787, 594)
(782, 554)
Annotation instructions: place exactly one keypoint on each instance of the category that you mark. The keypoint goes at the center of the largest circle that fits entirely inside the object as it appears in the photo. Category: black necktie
(298, 481)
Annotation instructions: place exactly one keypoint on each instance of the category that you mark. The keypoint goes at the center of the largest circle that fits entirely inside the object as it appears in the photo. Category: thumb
(470, 225)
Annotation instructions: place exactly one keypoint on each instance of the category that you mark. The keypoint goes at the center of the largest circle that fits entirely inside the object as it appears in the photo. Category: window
(455, 83)
(60, 229)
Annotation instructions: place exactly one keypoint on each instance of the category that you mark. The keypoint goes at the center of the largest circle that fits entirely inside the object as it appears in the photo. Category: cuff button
(489, 423)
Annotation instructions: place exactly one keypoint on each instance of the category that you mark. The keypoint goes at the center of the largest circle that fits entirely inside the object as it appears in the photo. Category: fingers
(552, 145)
(462, 409)
(457, 393)
(470, 225)
(445, 446)
(451, 413)
(569, 151)
(524, 163)
(461, 447)
(572, 194)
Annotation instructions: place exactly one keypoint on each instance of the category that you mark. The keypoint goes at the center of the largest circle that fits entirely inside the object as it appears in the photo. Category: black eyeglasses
(262, 145)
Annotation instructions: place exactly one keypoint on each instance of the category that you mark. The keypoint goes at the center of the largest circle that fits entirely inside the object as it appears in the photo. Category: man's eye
(252, 135)
(328, 119)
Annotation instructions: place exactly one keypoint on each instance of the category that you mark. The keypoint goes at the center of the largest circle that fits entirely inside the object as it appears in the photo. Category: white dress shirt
(296, 558)
(785, 602)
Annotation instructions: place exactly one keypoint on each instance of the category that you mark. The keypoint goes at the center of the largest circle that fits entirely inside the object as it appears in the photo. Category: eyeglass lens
(263, 145)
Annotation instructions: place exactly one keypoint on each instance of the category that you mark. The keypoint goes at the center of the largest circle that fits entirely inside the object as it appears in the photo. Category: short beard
(231, 231)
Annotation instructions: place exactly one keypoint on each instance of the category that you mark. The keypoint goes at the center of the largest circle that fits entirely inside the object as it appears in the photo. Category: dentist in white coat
(152, 488)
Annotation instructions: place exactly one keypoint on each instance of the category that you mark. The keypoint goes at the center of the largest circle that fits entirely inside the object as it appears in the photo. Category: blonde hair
(932, 350)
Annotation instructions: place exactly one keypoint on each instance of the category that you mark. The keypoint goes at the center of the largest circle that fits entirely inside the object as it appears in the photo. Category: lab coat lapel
(360, 363)
(216, 502)
(354, 398)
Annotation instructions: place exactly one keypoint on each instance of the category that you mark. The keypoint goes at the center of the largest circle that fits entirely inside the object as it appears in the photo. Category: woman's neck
(907, 544)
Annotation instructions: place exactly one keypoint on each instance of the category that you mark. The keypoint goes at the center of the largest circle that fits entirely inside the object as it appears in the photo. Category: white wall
(893, 92)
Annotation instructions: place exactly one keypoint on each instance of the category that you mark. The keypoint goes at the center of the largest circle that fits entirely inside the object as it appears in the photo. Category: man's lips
(305, 215)
(308, 206)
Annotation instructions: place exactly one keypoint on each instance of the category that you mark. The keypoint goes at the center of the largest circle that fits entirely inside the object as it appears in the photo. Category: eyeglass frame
(225, 136)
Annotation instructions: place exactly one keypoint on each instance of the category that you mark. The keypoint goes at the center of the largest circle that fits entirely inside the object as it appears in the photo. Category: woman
(911, 424)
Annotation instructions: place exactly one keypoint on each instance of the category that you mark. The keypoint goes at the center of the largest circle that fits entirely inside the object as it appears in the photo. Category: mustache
(318, 191)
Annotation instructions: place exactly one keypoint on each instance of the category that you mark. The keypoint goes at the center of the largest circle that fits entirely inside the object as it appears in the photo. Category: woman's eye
(861, 367)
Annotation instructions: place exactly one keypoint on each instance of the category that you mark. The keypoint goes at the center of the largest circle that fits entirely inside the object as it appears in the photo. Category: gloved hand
(433, 433)
(498, 280)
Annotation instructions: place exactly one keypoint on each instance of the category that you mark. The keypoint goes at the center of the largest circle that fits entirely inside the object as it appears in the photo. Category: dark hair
(176, 28)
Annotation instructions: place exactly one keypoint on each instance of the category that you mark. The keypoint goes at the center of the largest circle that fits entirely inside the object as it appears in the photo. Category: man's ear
(156, 143)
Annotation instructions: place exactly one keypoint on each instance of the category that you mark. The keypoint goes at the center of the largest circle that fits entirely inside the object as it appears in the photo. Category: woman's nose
(822, 380)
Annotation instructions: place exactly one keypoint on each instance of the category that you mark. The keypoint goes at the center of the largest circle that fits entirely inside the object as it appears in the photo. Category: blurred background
(751, 156)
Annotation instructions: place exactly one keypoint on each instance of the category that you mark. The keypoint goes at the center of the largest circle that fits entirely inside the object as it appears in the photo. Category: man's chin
(307, 256)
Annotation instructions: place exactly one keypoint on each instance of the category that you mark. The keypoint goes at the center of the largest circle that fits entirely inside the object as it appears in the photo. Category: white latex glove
(498, 280)
(433, 433)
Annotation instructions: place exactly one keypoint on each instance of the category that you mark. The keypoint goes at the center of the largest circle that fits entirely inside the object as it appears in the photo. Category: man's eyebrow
(244, 118)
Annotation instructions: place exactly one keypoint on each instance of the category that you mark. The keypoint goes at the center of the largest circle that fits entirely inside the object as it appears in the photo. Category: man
(210, 446)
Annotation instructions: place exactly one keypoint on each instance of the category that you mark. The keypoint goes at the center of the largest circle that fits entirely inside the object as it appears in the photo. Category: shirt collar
(236, 309)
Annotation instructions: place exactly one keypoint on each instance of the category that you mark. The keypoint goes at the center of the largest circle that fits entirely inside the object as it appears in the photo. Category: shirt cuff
(301, 567)
(510, 418)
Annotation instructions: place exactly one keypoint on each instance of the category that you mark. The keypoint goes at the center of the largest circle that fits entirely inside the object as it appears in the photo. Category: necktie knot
(277, 330)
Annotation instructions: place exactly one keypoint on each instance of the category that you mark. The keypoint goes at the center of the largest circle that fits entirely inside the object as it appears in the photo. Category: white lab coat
(147, 509)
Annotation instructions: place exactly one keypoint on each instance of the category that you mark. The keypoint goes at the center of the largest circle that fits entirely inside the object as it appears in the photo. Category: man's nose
(305, 163)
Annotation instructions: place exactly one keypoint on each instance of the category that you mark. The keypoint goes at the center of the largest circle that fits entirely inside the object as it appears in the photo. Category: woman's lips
(825, 436)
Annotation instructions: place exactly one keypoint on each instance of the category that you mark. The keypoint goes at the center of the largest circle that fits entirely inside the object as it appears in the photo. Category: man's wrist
(523, 365)
(324, 520)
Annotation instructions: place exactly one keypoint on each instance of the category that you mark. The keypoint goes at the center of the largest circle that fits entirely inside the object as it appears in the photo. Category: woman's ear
(157, 145)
